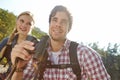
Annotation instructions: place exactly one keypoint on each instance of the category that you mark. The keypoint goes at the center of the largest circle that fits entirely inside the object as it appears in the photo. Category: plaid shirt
(90, 62)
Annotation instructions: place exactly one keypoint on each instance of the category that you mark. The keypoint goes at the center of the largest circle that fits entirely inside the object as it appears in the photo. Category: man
(60, 23)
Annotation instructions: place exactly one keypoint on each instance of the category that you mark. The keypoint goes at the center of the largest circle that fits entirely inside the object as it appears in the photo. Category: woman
(24, 25)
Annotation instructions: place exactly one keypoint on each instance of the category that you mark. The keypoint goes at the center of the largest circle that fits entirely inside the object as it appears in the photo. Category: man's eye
(64, 22)
(54, 19)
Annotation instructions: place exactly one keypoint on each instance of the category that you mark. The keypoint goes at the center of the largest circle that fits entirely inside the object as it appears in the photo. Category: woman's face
(24, 24)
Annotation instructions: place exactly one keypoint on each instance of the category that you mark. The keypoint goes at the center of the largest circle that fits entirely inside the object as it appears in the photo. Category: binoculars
(40, 47)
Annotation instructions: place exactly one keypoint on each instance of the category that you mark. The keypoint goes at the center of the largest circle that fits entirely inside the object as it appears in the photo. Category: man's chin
(55, 38)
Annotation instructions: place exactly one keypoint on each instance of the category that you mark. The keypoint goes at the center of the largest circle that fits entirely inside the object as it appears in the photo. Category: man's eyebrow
(54, 17)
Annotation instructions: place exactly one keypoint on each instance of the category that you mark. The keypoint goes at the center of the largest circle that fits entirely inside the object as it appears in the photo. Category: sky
(93, 20)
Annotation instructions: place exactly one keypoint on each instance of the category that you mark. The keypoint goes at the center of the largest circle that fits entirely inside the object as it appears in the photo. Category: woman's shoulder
(3, 43)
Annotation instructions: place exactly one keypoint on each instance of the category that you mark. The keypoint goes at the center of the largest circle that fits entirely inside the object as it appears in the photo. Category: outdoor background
(95, 23)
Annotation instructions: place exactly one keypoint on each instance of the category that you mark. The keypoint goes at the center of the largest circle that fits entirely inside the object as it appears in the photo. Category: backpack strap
(74, 59)
(74, 64)
(59, 66)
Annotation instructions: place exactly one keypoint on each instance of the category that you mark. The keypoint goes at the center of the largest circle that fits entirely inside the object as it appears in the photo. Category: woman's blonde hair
(27, 13)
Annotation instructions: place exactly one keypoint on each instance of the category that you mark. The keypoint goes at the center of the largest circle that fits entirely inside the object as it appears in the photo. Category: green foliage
(111, 58)
(38, 33)
(113, 48)
(7, 23)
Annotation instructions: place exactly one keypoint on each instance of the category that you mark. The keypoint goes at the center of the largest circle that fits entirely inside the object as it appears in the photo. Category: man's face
(58, 27)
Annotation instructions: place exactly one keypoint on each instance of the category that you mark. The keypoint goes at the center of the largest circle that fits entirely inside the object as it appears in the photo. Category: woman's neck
(21, 38)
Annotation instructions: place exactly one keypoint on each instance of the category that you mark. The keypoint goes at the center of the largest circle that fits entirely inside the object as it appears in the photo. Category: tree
(38, 33)
(7, 23)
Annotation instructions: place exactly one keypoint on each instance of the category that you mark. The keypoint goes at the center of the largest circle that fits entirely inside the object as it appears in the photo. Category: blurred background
(95, 23)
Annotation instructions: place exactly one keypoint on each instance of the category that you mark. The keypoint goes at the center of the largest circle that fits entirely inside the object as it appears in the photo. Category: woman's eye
(22, 21)
(29, 24)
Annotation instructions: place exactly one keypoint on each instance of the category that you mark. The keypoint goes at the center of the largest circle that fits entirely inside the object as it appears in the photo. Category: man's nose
(58, 24)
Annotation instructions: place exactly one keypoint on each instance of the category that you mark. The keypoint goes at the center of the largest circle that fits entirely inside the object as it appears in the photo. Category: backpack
(74, 64)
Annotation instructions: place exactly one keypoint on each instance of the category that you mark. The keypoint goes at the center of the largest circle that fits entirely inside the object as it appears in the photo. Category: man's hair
(61, 8)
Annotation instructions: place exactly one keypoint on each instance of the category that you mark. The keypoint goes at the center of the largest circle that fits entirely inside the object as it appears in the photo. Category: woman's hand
(20, 51)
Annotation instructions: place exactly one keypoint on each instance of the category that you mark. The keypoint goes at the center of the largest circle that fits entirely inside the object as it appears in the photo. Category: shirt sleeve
(94, 66)
(3, 43)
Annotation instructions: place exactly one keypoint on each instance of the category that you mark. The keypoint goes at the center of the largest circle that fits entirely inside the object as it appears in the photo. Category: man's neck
(56, 45)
